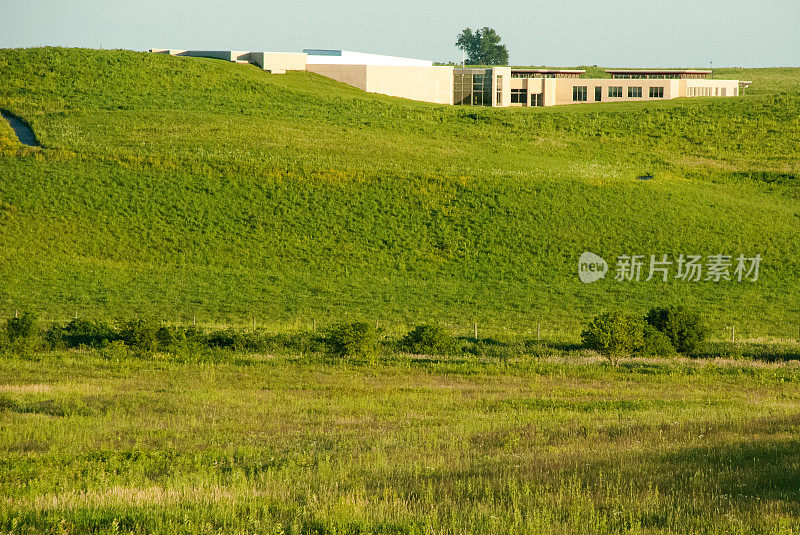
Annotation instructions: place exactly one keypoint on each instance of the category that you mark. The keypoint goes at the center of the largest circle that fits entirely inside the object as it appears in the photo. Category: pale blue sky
(634, 33)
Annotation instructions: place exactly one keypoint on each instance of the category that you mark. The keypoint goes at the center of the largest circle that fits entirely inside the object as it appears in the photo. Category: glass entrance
(598, 93)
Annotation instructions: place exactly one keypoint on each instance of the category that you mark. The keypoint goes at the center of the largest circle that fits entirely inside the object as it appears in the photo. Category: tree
(614, 335)
(482, 47)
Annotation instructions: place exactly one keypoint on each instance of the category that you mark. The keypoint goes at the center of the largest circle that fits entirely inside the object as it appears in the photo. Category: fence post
(315, 326)
(538, 331)
(475, 329)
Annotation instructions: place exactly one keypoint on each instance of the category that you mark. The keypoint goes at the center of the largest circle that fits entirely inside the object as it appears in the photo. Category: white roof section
(322, 56)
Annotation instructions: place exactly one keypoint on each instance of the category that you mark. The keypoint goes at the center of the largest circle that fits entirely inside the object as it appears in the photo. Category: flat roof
(349, 57)
(551, 71)
(658, 71)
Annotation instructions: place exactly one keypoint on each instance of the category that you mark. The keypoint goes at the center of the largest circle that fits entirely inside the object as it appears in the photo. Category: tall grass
(92, 442)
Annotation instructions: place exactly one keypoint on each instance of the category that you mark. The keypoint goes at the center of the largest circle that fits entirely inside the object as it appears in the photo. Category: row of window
(520, 96)
(652, 76)
(580, 92)
(544, 75)
(710, 91)
(646, 76)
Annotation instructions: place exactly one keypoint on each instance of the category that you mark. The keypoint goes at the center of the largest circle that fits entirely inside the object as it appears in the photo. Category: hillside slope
(173, 187)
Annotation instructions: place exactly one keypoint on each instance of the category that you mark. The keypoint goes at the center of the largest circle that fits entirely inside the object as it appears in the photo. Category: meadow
(106, 441)
(179, 188)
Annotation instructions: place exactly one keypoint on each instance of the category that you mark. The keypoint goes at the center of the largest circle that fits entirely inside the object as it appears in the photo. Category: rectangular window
(519, 96)
(615, 92)
(598, 93)
(656, 92)
(634, 92)
(579, 93)
(499, 90)
(536, 99)
(462, 88)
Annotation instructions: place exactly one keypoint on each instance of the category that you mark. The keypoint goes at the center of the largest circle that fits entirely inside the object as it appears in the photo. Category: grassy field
(104, 442)
(174, 188)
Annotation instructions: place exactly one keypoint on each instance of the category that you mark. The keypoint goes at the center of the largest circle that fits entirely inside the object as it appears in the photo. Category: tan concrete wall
(563, 93)
(279, 62)
(532, 86)
(428, 84)
(710, 88)
(549, 90)
(355, 75)
(505, 97)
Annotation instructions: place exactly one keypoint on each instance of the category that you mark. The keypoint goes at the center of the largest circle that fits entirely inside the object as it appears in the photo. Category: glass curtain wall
(472, 87)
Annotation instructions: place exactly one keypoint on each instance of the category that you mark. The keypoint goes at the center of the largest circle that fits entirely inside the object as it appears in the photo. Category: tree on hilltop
(482, 47)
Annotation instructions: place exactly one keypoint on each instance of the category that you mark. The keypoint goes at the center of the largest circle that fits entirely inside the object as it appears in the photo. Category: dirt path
(23, 131)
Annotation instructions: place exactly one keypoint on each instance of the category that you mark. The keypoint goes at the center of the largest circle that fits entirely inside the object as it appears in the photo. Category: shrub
(21, 334)
(21, 328)
(80, 332)
(614, 335)
(358, 339)
(166, 336)
(139, 334)
(655, 343)
(684, 328)
(428, 339)
(237, 340)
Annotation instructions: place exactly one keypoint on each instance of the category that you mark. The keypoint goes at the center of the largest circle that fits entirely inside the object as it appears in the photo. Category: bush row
(358, 339)
(661, 332)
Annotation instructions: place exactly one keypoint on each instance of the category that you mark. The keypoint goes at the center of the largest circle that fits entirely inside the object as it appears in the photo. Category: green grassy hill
(172, 187)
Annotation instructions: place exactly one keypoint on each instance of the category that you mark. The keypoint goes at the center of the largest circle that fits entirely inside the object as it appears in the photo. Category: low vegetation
(105, 441)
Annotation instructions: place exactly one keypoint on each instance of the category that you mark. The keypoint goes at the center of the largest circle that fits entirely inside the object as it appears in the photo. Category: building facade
(554, 87)
(492, 87)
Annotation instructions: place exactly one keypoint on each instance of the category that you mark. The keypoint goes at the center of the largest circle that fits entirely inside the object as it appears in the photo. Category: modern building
(417, 79)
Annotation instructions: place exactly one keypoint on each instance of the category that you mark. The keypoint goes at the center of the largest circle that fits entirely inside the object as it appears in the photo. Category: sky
(610, 33)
